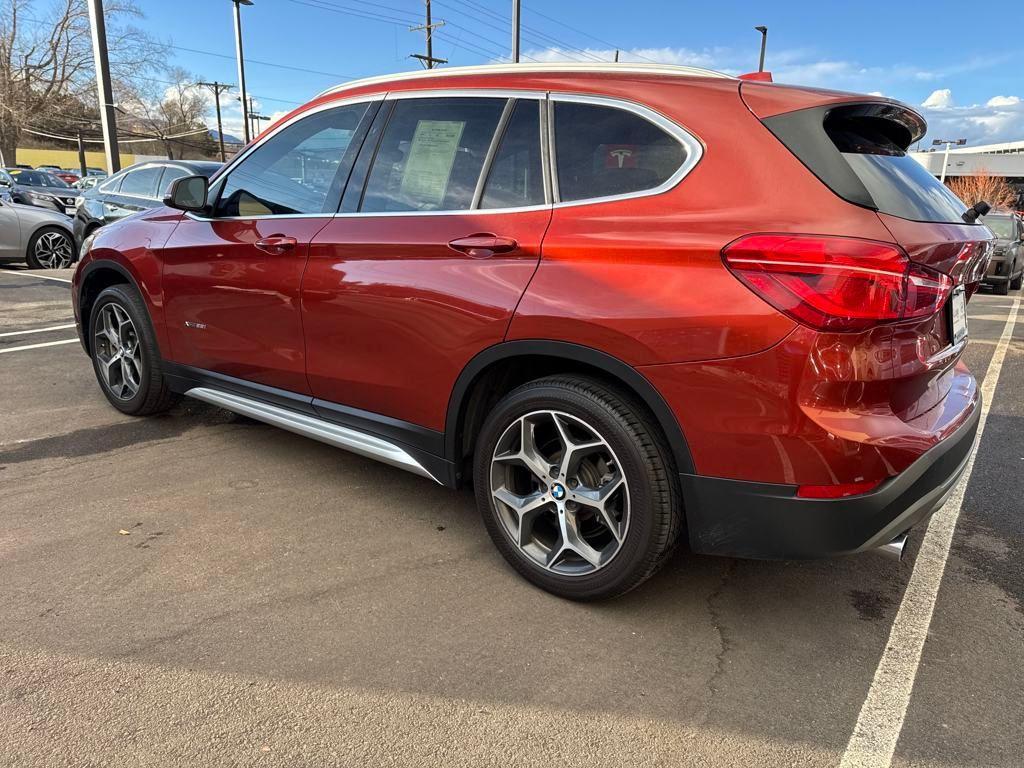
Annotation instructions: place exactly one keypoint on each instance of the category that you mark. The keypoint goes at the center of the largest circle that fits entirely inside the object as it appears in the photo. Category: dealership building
(1006, 159)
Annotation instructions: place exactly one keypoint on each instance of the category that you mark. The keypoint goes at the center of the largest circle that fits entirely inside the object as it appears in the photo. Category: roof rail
(538, 68)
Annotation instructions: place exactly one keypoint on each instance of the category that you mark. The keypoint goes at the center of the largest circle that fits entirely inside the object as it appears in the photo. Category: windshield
(39, 179)
(1001, 225)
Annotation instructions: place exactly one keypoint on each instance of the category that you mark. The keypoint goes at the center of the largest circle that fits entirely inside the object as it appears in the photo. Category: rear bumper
(768, 520)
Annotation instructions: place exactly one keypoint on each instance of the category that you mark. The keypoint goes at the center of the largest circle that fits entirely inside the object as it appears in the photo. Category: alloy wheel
(117, 351)
(53, 250)
(560, 492)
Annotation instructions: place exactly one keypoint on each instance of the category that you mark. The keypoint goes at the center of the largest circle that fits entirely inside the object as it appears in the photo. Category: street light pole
(241, 65)
(515, 30)
(764, 45)
(945, 155)
(103, 88)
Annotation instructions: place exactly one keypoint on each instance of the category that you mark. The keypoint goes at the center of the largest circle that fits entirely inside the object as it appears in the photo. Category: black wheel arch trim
(578, 353)
(90, 268)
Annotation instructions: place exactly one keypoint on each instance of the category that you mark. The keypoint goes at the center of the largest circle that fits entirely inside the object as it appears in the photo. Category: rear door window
(603, 151)
(143, 182)
(113, 184)
(431, 154)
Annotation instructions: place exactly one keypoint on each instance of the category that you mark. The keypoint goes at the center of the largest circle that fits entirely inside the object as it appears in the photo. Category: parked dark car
(44, 190)
(1006, 268)
(134, 189)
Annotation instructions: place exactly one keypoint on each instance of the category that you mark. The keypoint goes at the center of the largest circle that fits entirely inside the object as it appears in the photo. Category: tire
(50, 248)
(1002, 288)
(1015, 284)
(133, 382)
(621, 547)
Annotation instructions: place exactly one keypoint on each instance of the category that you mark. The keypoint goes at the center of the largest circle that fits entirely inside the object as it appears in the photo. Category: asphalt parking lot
(199, 589)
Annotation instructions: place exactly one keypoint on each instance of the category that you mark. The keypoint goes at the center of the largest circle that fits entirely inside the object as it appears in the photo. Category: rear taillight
(836, 283)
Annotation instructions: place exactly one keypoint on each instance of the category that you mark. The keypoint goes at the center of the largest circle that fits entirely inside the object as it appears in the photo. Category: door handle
(276, 244)
(483, 245)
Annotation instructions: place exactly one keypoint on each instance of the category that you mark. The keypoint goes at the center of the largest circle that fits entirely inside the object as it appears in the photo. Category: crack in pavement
(724, 641)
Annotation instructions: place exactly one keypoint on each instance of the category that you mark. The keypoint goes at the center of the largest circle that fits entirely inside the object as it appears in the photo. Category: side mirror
(188, 193)
(5, 183)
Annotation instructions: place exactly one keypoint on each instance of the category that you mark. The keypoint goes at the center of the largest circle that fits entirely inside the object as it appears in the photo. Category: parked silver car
(36, 236)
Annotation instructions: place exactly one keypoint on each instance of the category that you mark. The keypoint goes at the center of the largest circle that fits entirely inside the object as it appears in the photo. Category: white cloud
(1003, 101)
(940, 99)
(999, 119)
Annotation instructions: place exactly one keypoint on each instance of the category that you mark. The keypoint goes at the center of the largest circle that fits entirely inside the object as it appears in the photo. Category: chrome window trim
(691, 144)
(693, 147)
(546, 158)
(465, 93)
(460, 211)
(549, 136)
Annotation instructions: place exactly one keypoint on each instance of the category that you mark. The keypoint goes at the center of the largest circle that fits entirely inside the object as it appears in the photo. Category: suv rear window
(874, 149)
(860, 152)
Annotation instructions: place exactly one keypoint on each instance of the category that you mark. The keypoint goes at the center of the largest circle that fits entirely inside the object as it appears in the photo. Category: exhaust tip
(894, 549)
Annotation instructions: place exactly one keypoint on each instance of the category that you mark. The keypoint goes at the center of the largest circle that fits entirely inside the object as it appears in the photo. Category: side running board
(309, 426)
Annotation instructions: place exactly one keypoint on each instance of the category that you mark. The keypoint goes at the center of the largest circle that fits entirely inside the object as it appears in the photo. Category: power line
(588, 35)
(249, 60)
(528, 33)
(121, 141)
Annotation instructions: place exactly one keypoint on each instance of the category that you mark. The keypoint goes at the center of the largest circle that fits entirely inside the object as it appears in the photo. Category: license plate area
(958, 315)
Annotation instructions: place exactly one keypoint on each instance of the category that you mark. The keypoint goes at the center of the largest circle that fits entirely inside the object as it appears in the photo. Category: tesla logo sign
(621, 156)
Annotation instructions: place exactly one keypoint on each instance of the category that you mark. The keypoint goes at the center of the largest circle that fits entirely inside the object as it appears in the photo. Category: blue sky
(949, 62)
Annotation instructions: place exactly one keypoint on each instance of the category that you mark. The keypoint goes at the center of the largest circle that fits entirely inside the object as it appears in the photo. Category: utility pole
(515, 31)
(103, 89)
(241, 64)
(256, 122)
(428, 61)
(217, 89)
(764, 44)
(81, 154)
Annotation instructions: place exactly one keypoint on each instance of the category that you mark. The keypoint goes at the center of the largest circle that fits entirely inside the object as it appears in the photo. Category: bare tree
(172, 110)
(46, 59)
(994, 190)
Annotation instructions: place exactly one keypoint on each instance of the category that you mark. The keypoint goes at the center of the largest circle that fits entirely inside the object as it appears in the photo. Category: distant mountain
(228, 138)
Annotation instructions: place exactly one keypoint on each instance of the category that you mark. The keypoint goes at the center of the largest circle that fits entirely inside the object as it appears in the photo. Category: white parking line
(873, 741)
(37, 346)
(23, 273)
(37, 330)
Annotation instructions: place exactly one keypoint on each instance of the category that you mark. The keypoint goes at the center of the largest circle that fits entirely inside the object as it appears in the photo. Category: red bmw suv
(627, 304)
